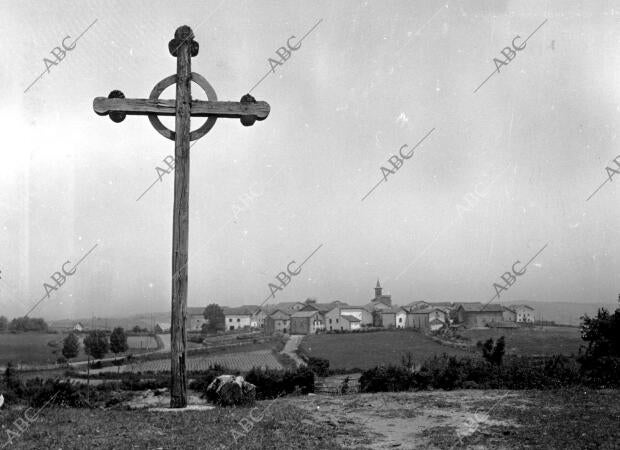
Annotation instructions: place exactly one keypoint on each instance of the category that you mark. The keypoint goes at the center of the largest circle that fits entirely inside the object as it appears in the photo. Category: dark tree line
(22, 324)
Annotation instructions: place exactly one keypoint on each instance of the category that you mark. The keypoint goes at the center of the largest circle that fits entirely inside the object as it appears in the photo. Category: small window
(337, 322)
(400, 320)
(238, 320)
(230, 320)
(330, 321)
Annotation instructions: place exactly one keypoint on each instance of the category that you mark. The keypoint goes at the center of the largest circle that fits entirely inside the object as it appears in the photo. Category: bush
(449, 372)
(136, 382)
(319, 366)
(271, 383)
(387, 379)
(204, 378)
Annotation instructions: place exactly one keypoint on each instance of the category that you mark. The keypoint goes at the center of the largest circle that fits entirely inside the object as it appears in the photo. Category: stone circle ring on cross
(169, 81)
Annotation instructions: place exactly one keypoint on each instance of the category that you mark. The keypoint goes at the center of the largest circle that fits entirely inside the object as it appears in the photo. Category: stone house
(306, 322)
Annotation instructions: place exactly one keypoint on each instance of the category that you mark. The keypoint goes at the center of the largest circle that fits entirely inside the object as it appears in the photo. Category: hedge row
(450, 372)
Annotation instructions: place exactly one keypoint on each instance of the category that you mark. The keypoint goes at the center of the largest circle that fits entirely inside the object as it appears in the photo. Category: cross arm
(199, 108)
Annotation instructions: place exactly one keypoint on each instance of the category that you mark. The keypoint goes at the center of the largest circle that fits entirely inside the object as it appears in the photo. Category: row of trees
(20, 324)
(96, 344)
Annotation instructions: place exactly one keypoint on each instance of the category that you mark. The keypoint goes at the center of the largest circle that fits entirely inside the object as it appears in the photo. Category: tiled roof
(350, 318)
(427, 310)
(356, 307)
(280, 315)
(245, 310)
(325, 307)
(520, 306)
(304, 313)
(479, 307)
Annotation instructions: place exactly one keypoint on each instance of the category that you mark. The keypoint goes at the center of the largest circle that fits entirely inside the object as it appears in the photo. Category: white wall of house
(401, 319)
(357, 313)
(355, 325)
(524, 315)
(236, 321)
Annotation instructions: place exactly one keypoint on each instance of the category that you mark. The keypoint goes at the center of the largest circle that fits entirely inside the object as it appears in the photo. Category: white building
(525, 313)
(238, 318)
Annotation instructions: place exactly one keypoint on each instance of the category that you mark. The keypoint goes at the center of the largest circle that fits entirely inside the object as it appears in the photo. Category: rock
(227, 390)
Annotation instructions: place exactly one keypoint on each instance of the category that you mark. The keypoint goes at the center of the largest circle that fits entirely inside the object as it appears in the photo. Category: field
(460, 420)
(531, 341)
(30, 348)
(366, 350)
(33, 348)
(241, 361)
(142, 343)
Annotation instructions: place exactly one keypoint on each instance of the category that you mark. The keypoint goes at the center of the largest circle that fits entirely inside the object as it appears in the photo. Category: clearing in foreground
(571, 419)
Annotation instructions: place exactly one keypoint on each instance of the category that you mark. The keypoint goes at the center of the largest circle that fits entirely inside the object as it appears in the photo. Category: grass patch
(366, 350)
(567, 419)
(283, 426)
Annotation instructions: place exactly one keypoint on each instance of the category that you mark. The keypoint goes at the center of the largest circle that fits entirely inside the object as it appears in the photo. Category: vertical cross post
(183, 47)
(117, 107)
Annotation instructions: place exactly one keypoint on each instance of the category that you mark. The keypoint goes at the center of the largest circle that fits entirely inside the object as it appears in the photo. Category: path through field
(291, 347)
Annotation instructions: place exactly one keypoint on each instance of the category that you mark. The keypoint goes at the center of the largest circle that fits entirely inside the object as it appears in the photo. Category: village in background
(311, 316)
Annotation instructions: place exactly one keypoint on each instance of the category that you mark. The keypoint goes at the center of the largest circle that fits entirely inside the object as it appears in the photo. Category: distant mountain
(565, 313)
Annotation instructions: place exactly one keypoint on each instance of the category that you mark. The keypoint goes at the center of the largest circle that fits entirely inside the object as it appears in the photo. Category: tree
(11, 377)
(214, 316)
(70, 346)
(20, 324)
(118, 342)
(4, 324)
(493, 353)
(602, 333)
(96, 344)
(601, 359)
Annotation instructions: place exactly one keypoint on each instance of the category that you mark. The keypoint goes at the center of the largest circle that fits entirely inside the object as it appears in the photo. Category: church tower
(378, 290)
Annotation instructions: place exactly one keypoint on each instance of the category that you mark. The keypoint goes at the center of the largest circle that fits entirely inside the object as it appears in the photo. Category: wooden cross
(183, 47)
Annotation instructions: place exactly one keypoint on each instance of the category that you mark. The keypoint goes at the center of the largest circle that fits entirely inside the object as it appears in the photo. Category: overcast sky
(371, 77)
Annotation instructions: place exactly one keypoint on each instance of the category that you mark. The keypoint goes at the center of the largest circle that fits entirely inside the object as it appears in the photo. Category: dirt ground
(403, 420)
